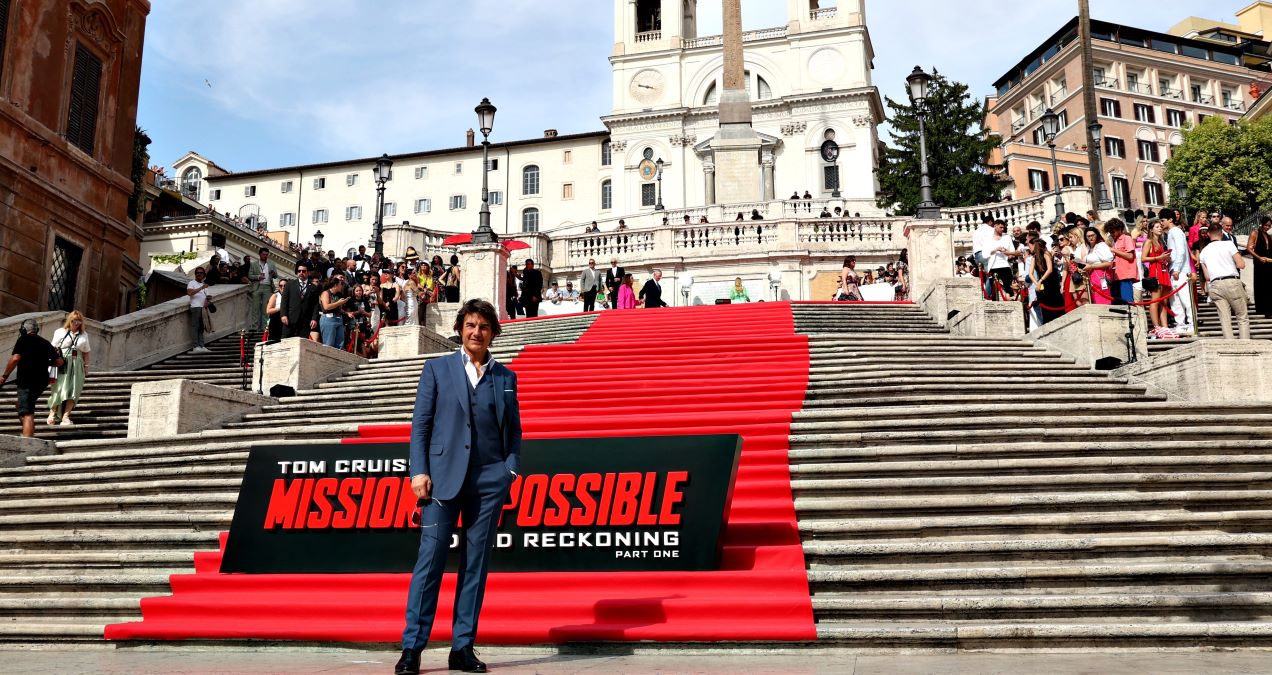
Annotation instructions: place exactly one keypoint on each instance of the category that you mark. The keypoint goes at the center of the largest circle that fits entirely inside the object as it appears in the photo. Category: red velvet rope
(1141, 304)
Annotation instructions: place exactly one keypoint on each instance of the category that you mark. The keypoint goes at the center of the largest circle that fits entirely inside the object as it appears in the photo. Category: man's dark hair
(1215, 228)
(987, 219)
(481, 308)
(1034, 226)
(1114, 225)
(1000, 221)
(529, 261)
(263, 250)
(1167, 214)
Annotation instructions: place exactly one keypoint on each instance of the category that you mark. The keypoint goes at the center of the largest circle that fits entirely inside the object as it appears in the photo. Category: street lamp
(918, 82)
(775, 281)
(1103, 203)
(1050, 129)
(659, 205)
(686, 284)
(383, 173)
(318, 236)
(1181, 193)
(486, 122)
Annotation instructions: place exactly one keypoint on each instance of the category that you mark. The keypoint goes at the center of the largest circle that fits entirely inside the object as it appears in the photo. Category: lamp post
(383, 173)
(1050, 128)
(1103, 203)
(775, 281)
(686, 284)
(918, 82)
(486, 122)
(659, 205)
(318, 237)
(1181, 193)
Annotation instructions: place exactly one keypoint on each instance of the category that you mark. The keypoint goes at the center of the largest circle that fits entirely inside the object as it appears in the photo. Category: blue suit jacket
(440, 432)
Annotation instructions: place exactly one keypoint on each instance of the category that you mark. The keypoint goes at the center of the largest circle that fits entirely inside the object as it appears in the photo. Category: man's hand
(422, 486)
(1174, 275)
(285, 322)
(313, 325)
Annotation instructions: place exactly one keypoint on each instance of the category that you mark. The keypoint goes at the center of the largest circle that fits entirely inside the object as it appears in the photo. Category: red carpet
(719, 369)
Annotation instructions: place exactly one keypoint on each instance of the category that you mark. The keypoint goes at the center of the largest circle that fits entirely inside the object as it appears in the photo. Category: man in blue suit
(465, 455)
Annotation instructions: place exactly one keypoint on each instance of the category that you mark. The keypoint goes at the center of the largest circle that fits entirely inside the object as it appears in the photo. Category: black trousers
(589, 300)
(532, 307)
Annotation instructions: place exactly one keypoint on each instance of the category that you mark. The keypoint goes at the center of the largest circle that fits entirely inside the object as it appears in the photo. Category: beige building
(1149, 87)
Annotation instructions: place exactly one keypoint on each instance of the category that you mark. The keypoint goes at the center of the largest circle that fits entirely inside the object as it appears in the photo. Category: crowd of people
(59, 365)
(888, 282)
(1150, 259)
(611, 288)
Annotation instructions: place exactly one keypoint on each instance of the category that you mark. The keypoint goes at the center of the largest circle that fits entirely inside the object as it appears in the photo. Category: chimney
(549, 133)
(472, 138)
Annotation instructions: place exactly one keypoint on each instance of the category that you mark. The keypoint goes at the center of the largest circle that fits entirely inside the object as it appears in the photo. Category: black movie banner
(585, 504)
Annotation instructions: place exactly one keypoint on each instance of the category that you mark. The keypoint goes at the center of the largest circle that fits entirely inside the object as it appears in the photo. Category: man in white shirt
(981, 240)
(998, 254)
(197, 291)
(1177, 242)
(1222, 265)
(553, 294)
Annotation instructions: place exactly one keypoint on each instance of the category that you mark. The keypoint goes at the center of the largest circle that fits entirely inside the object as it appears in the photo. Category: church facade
(814, 105)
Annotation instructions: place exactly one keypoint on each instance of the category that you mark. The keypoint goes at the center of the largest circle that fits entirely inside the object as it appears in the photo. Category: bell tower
(651, 25)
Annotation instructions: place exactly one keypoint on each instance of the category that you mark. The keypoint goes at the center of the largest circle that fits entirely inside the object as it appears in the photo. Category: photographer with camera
(72, 344)
(33, 357)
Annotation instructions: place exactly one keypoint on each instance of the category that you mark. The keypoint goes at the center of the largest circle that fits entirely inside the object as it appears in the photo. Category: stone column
(767, 167)
(736, 145)
(931, 249)
(708, 175)
(485, 269)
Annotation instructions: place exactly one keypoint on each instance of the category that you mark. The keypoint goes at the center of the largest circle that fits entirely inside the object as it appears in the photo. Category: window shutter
(86, 81)
(4, 27)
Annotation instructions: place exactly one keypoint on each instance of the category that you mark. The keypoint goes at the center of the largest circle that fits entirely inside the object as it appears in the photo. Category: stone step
(1032, 450)
(159, 519)
(131, 582)
(970, 384)
(1039, 501)
(1056, 467)
(98, 485)
(1061, 395)
(128, 448)
(186, 540)
(55, 561)
(1169, 412)
(30, 631)
(119, 503)
(1195, 607)
(1000, 485)
(207, 466)
(1057, 430)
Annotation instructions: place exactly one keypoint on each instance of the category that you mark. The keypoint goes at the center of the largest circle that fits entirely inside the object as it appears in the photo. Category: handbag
(211, 306)
(1151, 284)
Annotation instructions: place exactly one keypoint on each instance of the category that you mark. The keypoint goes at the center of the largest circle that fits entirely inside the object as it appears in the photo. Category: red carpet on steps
(699, 370)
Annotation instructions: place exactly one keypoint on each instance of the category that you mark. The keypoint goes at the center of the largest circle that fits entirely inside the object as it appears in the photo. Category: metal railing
(1137, 88)
(1019, 125)
(1107, 84)
(1233, 104)
(1059, 95)
(1172, 93)
(1204, 99)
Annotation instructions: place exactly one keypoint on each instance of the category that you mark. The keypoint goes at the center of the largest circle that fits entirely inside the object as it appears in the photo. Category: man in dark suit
(531, 288)
(613, 279)
(300, 304)
(465, 455)
(651, 293)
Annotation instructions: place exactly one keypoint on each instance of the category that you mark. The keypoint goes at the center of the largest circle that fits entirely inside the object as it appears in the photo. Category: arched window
(756, 86)
(530, 180)
(607, 195)
(192, 183)
(530, 220)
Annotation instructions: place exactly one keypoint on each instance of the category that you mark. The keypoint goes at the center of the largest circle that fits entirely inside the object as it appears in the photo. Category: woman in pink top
(626, 296)
(1125, 271)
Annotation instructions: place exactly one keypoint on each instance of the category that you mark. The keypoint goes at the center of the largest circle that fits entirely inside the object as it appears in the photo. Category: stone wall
(1208, 371)
(1093, 332)
(170, 407)
(300, 364)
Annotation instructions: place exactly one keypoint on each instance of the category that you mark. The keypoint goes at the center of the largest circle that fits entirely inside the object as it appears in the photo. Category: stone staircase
(102, 412)
(980, 493)
(85, 534)
(1208, 327)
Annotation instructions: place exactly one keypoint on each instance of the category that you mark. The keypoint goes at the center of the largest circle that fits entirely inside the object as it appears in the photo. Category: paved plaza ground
(191, 660)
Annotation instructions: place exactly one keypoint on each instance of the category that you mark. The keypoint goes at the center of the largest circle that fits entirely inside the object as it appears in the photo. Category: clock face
(647, 86)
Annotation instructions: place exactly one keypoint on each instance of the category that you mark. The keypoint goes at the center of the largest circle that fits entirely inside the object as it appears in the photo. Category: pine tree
(958, 152)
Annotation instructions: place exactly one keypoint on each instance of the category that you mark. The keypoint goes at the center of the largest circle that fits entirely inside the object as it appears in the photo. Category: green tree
(1224, 166)
(958, 151)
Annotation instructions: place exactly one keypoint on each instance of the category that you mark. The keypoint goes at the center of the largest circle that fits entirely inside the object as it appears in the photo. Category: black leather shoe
(409, 664)
(466, 660)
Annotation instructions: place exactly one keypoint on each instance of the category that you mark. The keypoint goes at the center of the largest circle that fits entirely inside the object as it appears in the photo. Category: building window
(647, 196)
(1115, 148)
(459, 168)
(496, 198)
(287, 219)
(192, 183)
(215, 194)
(830, 177)
(1148, 152)
(353, 213)
(1195, 92)
(86, 84)
(421, 172)
(1063, 118)
(1071, 180)
(458, 202)
(530, 220)
(1121, 192)
(64, 275)
(390, 209)
(530, 180)
(607, 157)
(320, 216)
(1152, 193)
(286, 186)
(567, 156)
(320, 183)
(1144, 113)
(249, 190)
(567, 191)
(423, 205)
(1201, 119)
(492, 165)
(1176, 118)
(4, 27)
(1039, 181)
(351, 180)
(1110, 107)
(607, 195)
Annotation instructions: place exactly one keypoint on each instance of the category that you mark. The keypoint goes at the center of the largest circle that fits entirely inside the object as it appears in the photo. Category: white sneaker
(200, 350)
(66, 421)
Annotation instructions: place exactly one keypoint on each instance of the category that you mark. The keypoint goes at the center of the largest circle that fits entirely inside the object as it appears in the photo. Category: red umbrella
(457, 239)
(515, 244)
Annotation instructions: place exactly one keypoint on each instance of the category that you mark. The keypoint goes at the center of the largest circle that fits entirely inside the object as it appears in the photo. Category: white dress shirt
(470, 368)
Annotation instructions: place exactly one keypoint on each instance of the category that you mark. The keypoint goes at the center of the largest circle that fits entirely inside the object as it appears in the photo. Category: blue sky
(263, 83)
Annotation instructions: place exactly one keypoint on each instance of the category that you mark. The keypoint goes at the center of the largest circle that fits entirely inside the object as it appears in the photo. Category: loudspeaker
(282, 391)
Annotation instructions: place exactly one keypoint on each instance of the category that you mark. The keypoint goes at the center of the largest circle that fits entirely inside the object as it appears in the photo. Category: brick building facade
(69, 80)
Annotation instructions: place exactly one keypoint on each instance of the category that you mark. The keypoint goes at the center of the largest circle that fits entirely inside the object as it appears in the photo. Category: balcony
(1234, 105)
(1137, 88)
(1019, 125)
(823, 13)
(1059, 95)
(649, 36)
(1203, 100)
(1036, 111)
(748, 36)
(1172, 93)
(1107, 84)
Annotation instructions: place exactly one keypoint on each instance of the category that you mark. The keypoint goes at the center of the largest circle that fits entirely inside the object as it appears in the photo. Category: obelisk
(736, 145)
